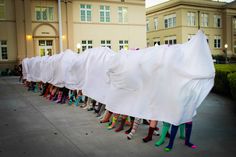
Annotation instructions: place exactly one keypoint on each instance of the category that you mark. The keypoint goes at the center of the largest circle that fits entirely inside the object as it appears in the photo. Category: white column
(60, 26)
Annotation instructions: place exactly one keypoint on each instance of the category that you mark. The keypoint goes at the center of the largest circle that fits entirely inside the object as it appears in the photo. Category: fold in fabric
(165, 83)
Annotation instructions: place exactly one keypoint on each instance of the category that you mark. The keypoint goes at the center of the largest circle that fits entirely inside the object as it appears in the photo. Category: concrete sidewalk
(31, 126)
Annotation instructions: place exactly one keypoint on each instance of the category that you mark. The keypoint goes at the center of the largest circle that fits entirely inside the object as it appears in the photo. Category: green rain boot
(36, 88)
(182, 128)
(77, 101)
(71, 100)
(165, 129)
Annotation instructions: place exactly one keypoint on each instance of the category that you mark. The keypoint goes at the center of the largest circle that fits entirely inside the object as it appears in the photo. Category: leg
(102, 109)
(136, 123)
(114, 120)
(88, 103)
(131, 126)
(107, 117)
(188, 130)
(78, 100)
(151, 129)
(122, 123)
(59, 97)
(174, 130)
(98, 108)
(165, 129)
(181, 128)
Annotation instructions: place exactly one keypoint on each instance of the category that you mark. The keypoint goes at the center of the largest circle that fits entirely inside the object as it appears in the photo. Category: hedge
(222, 83)
(232, 84)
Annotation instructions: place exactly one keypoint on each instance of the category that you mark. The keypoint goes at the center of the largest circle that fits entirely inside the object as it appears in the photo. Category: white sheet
(165, 83)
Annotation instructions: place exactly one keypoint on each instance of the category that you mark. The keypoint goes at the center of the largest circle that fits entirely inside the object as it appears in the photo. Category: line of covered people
(76, 98)
(164, 83)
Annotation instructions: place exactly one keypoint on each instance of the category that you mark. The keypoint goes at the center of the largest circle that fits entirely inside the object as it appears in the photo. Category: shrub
(222, 85)
(232, 83)
(220, 59)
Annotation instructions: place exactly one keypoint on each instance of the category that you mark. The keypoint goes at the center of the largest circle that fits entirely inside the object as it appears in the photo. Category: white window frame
(106, 11)
(207, 38)
(87, 9)
(170, 21)
(155, 23)
(217, 42)
(234, 23)
(191, 18)
(148, 42)
(1, 46)
(49, 18)
(156, 41)
(171, 40)
(46, 44)
(86, 44)
(217, 21)
(147, 25)
(234, 47)
(3, 10)
(123, 14)
(106, 43)
(204, 19)
(123, 44)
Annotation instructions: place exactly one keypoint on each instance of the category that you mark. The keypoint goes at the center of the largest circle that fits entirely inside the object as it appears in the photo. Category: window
(204, 20)
(2, 9)
(85, 12)
(3, 50)
(45, 47)
(234, 23)
(148, 43)
(104, 13)
(191, 19)
(170, 21)
(86, 44)
(217, 42)
(123, 44)
(207, 38)
(190, 36)
(155, 23)
(217, 21)
(106, 43)
(156, 41)
(147, 25)
(44, 13)
(170, 40)
(123, 14)
(234, 46)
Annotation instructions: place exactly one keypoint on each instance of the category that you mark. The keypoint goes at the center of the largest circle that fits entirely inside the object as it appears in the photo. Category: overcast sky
(153, 2)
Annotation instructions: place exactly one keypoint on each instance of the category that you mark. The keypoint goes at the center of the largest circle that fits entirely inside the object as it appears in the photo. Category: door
(45, 47)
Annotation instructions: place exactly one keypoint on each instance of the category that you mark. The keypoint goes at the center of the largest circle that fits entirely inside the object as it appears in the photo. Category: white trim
(123, 44)
(86, 45)
(86, 10)
(4, 9)
(191, 18)
(107, 13)
(216, 18)
(170, 21)
(107, 43)
(155, 23)
(1, 46)
(123, 11)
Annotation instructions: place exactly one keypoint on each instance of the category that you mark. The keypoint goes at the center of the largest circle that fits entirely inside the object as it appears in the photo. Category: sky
(150, 3)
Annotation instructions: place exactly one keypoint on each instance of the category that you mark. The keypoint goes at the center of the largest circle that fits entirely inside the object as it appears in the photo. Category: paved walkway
(31, 126)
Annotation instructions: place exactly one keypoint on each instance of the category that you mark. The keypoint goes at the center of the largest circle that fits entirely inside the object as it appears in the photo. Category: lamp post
(78, 47)
(226, 46)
